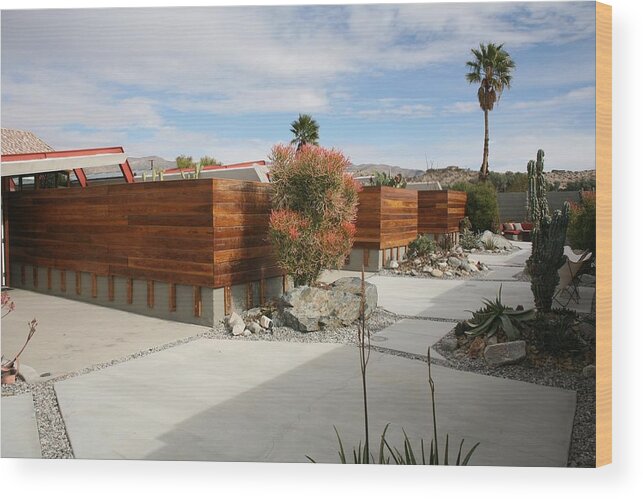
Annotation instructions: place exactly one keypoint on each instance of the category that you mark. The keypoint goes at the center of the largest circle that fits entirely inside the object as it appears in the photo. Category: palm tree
(306, 131)
(491, 68)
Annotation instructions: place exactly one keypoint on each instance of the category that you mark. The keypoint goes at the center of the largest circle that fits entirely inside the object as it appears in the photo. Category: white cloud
(572, 97)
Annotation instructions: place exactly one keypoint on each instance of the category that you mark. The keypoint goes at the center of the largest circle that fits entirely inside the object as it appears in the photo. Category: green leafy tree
(491, 68)
(482, 204)
(306, 131)
(209, 160)
(582, 223)
(185, 164)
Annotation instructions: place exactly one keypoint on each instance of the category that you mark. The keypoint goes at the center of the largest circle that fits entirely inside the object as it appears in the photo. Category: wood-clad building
(440, 212)
(201, 243)
(386, 224)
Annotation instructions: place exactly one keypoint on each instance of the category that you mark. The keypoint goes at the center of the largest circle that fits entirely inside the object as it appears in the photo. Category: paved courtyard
(268, 401)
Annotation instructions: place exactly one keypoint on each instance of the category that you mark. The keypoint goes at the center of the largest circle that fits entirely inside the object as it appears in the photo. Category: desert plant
(465, 224)
(386, 180)
(306, 131)
(10, 368)
(491, 67)
(582, 223)
(547, 256)
(494, 317)
(537, 204)
(314, 206)
(423, 245)
(469, 240)
(185, 164)
(482, 204)
(209, 161)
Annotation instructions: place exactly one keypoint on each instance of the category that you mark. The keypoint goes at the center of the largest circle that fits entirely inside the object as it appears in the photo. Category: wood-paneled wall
(386, 217)
(196, 232)
(440, 212)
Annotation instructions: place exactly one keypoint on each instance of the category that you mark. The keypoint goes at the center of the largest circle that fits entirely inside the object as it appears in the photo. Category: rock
(413, 272)
(265, 322)
(238, 329)
(310, 308)
(426, 269)
(448, 274)
(455, 262)
(589, 371)
(393, 264)
(246, 332)
(417, 262)
(253, 312)
(449, 344)
(502, 354)
(499, 242)
(476, 347)
(437, 273)
(467, 267)
(442, 265)
(255, 328)
(233, 320)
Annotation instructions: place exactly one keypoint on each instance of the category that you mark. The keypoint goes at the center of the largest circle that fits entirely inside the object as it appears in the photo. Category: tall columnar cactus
(537, 206)
(548, 241)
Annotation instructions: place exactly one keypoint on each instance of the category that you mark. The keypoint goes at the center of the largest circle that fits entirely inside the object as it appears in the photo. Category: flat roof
(52, 161)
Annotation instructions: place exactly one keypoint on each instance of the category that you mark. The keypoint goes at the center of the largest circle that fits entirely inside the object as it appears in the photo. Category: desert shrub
(469, 240)
(423, 245)
(582, 224)
(482, 204)
(314, 208)
(382, 178)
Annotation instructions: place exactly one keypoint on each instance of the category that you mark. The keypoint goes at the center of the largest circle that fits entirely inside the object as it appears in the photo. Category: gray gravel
(378, 320)
(582, 452)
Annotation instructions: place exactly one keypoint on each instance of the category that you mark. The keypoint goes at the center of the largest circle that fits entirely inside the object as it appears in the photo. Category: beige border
(604, 234)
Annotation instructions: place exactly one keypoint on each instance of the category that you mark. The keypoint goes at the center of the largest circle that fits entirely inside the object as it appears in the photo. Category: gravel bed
(582, 452)
(426, 275)
(378, 320)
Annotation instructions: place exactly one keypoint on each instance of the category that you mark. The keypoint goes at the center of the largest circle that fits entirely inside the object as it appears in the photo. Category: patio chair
(569, 275)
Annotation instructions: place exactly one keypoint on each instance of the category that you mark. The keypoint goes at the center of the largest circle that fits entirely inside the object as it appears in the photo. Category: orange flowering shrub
(312, 223)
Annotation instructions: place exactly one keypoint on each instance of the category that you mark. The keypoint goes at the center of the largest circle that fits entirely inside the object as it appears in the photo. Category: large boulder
(308, 308)
(502, 354)
(499, 242)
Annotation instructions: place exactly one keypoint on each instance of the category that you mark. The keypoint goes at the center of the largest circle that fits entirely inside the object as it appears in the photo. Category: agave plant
(495, 317)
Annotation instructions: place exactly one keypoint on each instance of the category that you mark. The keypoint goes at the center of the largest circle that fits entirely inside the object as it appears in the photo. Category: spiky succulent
(495, 317)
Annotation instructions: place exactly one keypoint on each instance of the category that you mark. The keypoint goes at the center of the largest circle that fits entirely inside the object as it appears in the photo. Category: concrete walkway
(413, 336)
(19, 430)
(260, 401)
(72, 335)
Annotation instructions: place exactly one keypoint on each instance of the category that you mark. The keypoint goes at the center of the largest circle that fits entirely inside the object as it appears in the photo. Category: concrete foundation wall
(64, 284)
(377, 258)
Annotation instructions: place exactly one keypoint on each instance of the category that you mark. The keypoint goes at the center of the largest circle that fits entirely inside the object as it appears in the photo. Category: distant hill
(368, 169)
(143, 164)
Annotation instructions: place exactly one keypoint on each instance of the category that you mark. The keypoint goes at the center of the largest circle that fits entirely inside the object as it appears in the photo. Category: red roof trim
(62, 154)
(222, 167)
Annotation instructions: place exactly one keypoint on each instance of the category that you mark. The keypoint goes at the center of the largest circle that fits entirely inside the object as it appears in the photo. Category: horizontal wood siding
(192, 232)
(386, 217)
(440, 212)
(242, 251)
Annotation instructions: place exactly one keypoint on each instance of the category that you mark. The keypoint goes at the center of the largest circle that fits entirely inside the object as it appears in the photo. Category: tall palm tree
(491, 68)
(306, 131)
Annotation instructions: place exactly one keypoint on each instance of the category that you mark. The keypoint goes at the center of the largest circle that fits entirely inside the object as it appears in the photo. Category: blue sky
(385, 82)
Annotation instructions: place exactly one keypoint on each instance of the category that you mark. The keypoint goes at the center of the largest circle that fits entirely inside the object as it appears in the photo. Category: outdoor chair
(569, 275)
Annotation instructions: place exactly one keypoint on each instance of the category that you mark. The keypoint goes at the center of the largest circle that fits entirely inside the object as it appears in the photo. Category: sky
(385, 82)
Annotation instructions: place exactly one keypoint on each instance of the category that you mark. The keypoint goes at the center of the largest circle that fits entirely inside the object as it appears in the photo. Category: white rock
(238, 329)
(265, 322)
(442, 265)
(393, 264)
(502, 354)
(437, 273)
(234, 319)
(255, 328)
(427, 269)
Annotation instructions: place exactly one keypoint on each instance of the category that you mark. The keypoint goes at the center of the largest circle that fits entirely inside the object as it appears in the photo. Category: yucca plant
(495, 317)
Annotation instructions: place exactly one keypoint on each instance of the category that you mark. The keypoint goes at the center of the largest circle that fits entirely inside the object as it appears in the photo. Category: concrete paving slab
(413, 336)
(516, 259)
(223, 400)
(499, 273)
(19, 430)
(72, 335)
(453, 299)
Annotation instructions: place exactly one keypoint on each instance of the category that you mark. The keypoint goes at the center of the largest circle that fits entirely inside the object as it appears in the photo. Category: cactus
(537, 205)
(548, 241)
